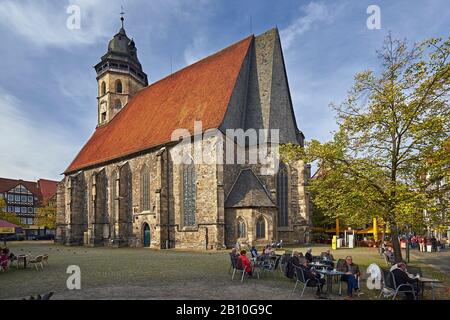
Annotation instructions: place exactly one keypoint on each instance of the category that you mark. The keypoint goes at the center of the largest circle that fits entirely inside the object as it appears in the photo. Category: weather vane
(122, 13)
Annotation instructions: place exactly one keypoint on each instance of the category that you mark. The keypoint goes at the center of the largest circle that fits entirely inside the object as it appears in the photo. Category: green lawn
(139, 273)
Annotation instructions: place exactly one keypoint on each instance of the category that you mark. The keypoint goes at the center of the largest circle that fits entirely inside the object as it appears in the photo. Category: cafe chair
(301, 279)
(37, 261)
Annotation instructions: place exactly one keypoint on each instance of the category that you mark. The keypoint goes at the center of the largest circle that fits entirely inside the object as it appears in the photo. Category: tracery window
(282, 196)
(260, 228)
(189, 194)
(145, 189)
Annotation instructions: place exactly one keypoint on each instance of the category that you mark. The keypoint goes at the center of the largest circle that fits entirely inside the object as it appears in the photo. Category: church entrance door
(146, 235)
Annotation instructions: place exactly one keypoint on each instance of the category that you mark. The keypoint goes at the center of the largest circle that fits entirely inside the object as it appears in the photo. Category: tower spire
(122, 13)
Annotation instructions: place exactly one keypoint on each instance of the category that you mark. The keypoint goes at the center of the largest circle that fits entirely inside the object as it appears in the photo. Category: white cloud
(30, 150)
(197, 50)
(314, 13)
(44, 24)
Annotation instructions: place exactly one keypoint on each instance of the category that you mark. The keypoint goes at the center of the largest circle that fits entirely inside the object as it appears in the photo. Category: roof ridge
(199, 61)
(199, 91)
(172, 74)
(18, 180)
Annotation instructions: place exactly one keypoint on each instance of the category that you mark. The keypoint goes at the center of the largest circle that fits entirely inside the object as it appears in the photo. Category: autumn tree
(387, 153)
(46, 217)
(10, 217)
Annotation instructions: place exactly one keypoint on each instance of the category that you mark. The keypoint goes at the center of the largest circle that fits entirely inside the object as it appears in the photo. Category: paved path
(437, 260)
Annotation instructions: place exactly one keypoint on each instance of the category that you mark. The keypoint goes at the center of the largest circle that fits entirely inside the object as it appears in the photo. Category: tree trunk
(396, 244)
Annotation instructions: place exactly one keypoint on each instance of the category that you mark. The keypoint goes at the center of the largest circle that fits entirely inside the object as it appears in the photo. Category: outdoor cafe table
(319, 265)
(22, 257)
(330, 274)
(432, 282)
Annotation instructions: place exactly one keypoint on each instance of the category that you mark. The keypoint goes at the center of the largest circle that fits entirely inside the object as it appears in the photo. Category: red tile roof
(48, 188)
(201, 91)
(8, 184)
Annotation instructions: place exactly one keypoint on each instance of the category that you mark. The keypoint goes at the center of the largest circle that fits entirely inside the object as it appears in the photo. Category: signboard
(334, 243)
(351, 241)
(7, 230)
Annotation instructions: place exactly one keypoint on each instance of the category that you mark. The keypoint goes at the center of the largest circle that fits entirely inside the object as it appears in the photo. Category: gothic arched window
(241, 230)
(114, 194)
(103, 90)
(282, 196)
(145, 189)
(260, 228)
(118, 86)
(189, 194)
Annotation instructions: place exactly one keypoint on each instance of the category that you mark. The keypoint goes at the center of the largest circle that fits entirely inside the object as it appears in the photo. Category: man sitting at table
(308, 255)
(292, 261)
(351, 276)
(313, 276)
(401, 277)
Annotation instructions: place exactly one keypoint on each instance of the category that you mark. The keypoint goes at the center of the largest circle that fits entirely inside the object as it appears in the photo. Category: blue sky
(47, 83)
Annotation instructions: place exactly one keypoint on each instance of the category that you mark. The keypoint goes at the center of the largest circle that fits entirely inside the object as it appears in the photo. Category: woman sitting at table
(4, 258)
(244, 263)
(265, 254)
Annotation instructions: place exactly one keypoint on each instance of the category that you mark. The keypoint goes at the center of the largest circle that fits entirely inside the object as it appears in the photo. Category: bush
(320, 237)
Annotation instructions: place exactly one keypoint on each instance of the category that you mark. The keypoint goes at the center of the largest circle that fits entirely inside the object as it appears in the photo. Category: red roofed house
(124, 188)
(25, 197)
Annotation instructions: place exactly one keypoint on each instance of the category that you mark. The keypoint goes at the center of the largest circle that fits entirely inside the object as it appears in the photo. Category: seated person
(397, 265)
(234, 256)
(4, 258)
(244, 263)
(401, 277)
(390, 255)
(254, 252)
(9, 254)
(293, 261)
(328, 255)
(308, 255)
(265, 254)
(314, 277)
(351, 276)
(327, 258)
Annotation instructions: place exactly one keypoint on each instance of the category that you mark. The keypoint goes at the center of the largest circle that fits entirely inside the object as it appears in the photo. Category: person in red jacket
(245, 262)
(4, 258)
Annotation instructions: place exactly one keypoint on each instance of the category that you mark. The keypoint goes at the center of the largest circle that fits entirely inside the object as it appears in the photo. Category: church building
(124, 188)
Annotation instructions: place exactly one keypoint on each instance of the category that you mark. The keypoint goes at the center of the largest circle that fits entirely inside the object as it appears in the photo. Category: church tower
(119, 76)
